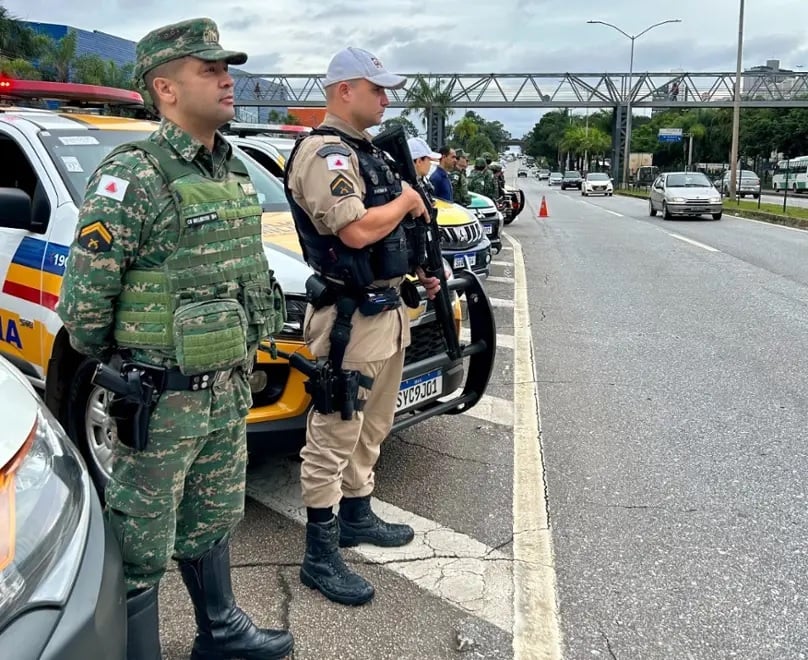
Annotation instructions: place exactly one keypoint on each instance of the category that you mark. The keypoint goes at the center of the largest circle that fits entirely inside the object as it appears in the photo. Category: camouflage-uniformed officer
(460, 180)
(499, 178)
(168, 271)
(481, 180)
(348, 206)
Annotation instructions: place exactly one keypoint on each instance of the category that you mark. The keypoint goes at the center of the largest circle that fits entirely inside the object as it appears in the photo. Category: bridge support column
(618, 142)
(435, 128)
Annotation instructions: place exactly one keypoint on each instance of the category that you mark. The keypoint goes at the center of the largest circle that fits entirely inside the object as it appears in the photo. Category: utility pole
(736, 113)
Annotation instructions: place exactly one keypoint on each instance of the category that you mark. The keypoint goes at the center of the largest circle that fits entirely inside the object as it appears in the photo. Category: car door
(657, 192)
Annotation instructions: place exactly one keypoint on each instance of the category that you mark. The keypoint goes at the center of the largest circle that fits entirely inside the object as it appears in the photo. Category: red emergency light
(77, 92)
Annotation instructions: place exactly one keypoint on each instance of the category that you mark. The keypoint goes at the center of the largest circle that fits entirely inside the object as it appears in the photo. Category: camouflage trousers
(176, 498)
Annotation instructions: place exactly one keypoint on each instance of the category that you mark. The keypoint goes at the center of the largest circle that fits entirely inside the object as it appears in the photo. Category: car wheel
(610, 194)
(756, 196)
(90, 426)
(717, 216)
(741, 195)
(665, 212)
(651, 209)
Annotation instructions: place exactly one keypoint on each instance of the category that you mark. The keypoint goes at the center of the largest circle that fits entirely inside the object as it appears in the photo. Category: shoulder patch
(338, 149)
(112, 186)
(341, 187)
(95, 237)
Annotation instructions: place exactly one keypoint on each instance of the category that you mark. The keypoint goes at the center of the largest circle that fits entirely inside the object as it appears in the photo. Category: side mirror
(15, 208)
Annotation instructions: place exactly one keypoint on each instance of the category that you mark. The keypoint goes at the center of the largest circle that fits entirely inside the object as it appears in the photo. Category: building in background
(122, 52)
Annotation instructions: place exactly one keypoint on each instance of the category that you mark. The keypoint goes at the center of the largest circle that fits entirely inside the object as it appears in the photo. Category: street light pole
(632, 38)
(736, 113)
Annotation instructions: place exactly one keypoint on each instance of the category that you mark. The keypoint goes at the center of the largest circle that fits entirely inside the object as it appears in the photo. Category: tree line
(766, 134)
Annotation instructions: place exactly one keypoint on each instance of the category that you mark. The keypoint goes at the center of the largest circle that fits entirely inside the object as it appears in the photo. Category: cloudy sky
(508, 36)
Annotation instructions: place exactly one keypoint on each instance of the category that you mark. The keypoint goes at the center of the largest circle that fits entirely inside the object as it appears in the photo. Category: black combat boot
(358, 524)
(223, 630)
(324, 569)
(142, 625)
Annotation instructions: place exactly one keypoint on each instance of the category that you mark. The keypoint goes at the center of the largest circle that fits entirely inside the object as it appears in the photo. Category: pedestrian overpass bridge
(758, 89)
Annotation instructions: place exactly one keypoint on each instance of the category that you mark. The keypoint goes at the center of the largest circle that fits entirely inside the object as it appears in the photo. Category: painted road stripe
(492, 409)
(536, 633)
(600, 208)
(501, 302)
(692, 242)
(499, 280)
(503, 341)
(506, 264)
(760, 222)
(455, 567)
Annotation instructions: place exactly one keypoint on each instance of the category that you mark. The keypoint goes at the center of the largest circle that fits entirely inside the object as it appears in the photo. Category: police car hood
(479, 201)
(18, 410)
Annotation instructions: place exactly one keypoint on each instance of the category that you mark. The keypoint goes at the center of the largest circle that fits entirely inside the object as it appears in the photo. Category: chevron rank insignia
(95, 237)
(340, 186)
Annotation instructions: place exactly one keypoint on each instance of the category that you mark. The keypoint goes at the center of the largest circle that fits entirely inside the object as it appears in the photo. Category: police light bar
(77, 92)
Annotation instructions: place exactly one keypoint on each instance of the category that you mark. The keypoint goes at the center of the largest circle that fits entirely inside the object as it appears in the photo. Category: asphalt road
(668, 360)
(671, 359)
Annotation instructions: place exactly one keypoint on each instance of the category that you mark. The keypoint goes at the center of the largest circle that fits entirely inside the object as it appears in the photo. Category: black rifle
(428, 253)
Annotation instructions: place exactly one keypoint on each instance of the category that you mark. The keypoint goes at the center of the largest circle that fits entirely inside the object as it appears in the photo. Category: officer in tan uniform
(348, 206)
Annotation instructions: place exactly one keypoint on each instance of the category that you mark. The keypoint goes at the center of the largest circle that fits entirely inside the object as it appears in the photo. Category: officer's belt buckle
(221, 378)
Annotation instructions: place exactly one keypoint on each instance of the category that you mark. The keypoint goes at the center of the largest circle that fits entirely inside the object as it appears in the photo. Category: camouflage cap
(487, 155)
(460, 153)
(197, 37)
(480, 162)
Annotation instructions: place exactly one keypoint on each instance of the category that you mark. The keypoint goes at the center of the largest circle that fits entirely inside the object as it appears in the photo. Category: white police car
(61, 577)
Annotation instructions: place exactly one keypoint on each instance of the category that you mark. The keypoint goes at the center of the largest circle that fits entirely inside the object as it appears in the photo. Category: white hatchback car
(684, 194)
(597, 183)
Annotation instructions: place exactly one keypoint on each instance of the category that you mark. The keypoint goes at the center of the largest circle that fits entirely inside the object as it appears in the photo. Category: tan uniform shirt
(331, 191)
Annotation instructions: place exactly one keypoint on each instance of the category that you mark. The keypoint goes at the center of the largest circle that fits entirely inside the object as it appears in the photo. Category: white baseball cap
(419, 148)
(352, 63)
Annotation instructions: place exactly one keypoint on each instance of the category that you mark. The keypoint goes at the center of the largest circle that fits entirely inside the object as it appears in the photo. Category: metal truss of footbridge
(759, 89)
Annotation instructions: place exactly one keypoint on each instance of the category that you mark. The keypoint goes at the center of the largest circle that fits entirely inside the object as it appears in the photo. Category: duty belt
(176, 381)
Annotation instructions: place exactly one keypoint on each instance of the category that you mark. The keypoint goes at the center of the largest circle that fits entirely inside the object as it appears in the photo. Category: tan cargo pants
(339, 456)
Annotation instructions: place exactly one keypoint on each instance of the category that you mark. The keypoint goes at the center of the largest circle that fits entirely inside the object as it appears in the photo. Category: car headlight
(447, 269)
(677, 200)
(295, 314)
(715, 200)
(44, 508)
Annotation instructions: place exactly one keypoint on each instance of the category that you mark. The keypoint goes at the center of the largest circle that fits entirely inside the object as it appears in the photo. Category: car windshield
(76, 154)
(688, 180)
(556, 175)
(597, 176)
(572, 175)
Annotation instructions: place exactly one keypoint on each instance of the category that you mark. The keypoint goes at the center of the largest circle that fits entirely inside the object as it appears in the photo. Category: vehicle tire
(741, 195)
(611, 194)
(717, 216)
(665, 213)
(583, 194)
(756, 196)
(794, 188)
(651, 209)
(508, 220)
(89, 425)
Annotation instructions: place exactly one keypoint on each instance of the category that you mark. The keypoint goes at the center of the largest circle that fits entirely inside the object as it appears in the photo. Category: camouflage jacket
(460, 187)
(482, 182)
(127, 216)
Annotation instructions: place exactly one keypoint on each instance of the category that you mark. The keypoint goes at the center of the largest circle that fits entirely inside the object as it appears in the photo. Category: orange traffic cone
(543, 208)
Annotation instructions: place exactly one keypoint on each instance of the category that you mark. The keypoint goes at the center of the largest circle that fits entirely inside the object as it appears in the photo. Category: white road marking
(503, 341)
(493, 409)
(497, 262)
(692, 242)
(499, 280)
(760, 222)
(536, 632)
(461, 570)
(507, 248)
(619, 215)
(501, 302)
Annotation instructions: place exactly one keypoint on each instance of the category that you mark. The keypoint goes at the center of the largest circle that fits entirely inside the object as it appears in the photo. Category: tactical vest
(214, 298)
(327, 254)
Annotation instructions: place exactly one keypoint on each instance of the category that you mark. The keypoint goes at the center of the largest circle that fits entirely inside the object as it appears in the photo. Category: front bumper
(92, 622)
(598, 191)
(694, 209)
(492, 230)
(476, 258)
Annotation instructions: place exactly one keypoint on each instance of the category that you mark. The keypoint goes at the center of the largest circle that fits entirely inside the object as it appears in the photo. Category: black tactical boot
(324, 569)
(358, 524)
(223, 630)
(142, 625)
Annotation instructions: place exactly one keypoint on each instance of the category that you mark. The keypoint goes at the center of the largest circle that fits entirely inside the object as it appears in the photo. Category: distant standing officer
(460, 180)
(481, 180)
(441, 183)
(168, 273)
(347, 205)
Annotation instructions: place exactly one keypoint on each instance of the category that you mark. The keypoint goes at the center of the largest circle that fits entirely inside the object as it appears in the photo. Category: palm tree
(433, 104)
(17, 40)
(61, 56)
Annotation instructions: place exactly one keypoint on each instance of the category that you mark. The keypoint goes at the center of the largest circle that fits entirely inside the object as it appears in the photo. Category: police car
(47, 159)
(61, 578)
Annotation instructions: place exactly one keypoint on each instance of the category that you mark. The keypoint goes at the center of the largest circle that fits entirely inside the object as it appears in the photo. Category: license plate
(489, 229)
(460, 260)
(419, 389)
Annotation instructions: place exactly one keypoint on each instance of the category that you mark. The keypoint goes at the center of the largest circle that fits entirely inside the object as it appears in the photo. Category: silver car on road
(684, 193)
